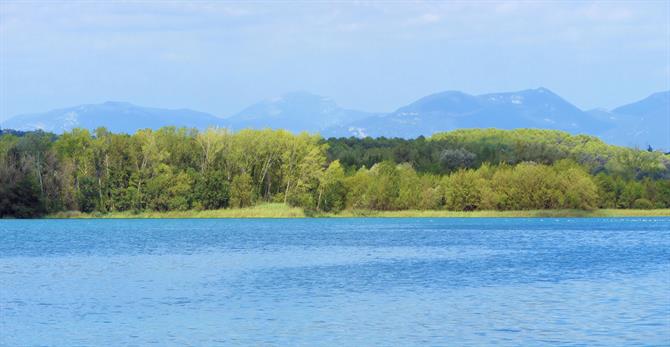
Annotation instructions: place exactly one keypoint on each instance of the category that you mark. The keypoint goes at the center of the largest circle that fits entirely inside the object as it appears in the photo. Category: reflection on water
(335, 282)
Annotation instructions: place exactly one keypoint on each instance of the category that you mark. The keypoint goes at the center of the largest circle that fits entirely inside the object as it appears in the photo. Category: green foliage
(430, 193)
(527, 186)
(632, 191)
(577, 188)
(332, 190)
(470, 148)
(211, 191)
(241, 191)
(462, 190)
(662, 197)
(384, 186)
(357, 186)
(409, 188)
(178, 169)
(643, 204)
(167, 190)
(87, 194)
(19, 196)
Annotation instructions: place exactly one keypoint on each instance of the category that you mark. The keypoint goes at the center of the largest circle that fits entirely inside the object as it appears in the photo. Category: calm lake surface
(346, 282)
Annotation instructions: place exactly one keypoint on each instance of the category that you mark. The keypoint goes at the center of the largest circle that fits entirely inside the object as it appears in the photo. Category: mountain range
(641, 123)
(297, 111)
(115, 116)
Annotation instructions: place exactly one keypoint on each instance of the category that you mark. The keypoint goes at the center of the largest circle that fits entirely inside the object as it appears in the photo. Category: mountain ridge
(450, 110)
(295, 111)
(639, 123)
(116, 116)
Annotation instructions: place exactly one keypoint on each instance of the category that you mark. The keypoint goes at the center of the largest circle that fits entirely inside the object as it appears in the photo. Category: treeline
(470, 148)
(181, 169)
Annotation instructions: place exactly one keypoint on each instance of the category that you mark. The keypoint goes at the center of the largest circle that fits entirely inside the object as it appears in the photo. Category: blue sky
(219, 57)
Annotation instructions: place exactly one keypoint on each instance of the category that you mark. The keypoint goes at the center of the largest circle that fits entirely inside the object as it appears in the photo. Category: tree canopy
(180, 169)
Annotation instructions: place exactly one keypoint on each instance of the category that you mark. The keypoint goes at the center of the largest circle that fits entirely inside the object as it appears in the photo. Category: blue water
(344, 282)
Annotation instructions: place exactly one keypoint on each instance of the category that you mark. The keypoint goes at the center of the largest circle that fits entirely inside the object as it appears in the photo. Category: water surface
(596, 282)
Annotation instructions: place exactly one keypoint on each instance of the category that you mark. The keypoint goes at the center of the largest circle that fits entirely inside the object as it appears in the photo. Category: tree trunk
(100, 192)
(288, 184)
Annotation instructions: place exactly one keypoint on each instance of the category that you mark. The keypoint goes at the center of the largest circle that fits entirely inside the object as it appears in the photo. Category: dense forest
(182, 169)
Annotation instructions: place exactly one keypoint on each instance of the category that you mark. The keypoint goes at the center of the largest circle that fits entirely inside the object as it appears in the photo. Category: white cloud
(607, 12)
(350, 27)
(426, 18)
(266, 48)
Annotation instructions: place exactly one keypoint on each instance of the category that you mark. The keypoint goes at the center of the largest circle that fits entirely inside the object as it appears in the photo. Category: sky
(220, 57)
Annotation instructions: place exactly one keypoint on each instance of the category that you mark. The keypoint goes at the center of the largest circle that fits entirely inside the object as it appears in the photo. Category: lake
(346, 282)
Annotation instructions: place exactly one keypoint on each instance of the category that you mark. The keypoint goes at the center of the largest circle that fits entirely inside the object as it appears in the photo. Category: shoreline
(283, 211)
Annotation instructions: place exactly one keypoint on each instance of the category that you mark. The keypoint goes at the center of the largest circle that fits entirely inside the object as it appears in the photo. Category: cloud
(606, 12)
(265, 48)
(350, 27)
(423, 19)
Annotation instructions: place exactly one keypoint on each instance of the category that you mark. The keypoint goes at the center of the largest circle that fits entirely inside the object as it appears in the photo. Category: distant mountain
(642, 123)
(115, 116)
(532, 108)
(425, 116)
(297, 111)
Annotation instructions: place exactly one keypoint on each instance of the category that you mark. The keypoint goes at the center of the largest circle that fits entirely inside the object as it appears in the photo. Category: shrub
(643, 204)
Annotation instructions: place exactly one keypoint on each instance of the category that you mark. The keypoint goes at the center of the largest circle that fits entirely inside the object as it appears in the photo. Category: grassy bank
(508, 214)
(283, 211)
(259, 211)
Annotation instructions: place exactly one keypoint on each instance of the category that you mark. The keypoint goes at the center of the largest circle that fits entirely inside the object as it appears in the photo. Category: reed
(278, 210)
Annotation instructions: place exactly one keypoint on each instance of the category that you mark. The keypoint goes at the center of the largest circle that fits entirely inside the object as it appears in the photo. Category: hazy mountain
(297, 111)
(532, 108)
(115, 116)
(642, 123)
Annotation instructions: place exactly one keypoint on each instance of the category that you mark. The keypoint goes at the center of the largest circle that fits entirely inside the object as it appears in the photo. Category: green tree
(410, 189)
(384, 188)
(576, 188)
(181, 168)
(332, 189)
(20, 194)
(357, 187)
(241, 191)
(212, 190)
(462, 190)
(631, 192)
